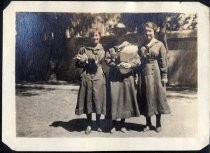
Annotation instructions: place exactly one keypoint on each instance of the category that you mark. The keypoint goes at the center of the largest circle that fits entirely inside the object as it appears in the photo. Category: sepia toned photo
(91, 73)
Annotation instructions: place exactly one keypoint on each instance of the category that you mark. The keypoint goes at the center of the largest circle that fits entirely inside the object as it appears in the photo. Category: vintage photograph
(69, 66)
(106, 74)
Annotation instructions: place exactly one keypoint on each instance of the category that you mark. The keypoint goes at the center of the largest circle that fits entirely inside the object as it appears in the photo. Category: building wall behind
(32, 62)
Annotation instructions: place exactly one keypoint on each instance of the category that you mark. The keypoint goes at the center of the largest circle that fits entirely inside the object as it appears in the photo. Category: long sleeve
(101, 57)
(135, 62)
(163, 62)
(79, 63)
(110, 60)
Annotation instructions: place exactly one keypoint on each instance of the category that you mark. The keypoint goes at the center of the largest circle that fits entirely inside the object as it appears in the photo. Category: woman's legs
(148, 121)
(98, 116)
(158, 123)
(122, 125)
(89, 121)
(148, 124)
(113, 129)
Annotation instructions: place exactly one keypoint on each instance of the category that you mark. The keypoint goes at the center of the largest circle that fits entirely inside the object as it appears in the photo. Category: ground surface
(47, 110)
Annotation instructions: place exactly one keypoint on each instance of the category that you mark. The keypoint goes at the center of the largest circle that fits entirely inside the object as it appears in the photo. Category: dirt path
(48, 111)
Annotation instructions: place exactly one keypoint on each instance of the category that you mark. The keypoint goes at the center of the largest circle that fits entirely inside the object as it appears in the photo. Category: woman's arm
(79, 64)
(109, 57)
(135, 62)
(101, 56)
(81, 58)
(163, 64)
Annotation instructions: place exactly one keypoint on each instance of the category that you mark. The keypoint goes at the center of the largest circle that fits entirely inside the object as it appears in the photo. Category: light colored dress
(92, 92)
(151, 92)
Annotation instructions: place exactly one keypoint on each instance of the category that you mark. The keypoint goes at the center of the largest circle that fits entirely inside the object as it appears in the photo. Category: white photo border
(201, 138)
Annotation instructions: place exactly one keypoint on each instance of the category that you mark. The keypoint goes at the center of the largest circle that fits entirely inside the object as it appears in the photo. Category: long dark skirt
(123, 97)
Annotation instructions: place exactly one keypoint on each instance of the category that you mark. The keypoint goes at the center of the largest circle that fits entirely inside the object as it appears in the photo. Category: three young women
(127, 99)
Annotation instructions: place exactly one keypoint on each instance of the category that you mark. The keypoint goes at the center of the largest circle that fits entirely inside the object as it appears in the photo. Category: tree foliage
(42, 38)
(58, 25)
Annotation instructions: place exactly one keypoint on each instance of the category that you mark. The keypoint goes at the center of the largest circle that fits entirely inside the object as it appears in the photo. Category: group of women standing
(136, 81)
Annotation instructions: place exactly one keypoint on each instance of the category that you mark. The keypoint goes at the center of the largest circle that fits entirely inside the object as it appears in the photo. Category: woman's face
(149, 33)
(95, 38)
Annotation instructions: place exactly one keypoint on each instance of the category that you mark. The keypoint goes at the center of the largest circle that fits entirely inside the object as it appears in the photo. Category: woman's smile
(149, 33)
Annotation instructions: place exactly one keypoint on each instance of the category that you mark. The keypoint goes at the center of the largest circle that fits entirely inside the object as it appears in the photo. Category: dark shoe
(158, 123)
(123, 129)
(99, 129)
(98, 116)
(148, 124)
(113, 130)
(158, 129)
(88, 130)
(147, 128)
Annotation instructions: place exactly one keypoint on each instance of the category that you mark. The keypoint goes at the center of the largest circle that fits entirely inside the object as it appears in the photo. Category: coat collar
(98, 47)
(151, 43)
(123, 44)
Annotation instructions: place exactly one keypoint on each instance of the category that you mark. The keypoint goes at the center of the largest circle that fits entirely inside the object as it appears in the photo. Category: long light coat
(151, 92)
(92, 92)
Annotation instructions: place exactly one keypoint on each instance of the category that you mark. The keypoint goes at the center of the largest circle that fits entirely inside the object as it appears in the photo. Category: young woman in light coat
(92, 92)
(153, 78)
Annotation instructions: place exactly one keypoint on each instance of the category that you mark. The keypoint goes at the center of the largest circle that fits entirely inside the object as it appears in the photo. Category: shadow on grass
(183, 89)
(180, 97)
(56, 82)
(28, 91)
(80, 125)
(181, 92)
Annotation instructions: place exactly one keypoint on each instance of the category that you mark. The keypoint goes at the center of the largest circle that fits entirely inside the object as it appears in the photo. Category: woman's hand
(82, 50)
(125, 65)
(81, 58)
(113, 53)
(164, 81)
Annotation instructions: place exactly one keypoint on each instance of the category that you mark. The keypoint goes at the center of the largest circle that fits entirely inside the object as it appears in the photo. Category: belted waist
(126, 75)
(151, 60)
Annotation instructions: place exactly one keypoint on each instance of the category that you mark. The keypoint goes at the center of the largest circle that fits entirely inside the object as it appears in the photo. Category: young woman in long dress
(122, 59)
(92, 92)
(153, 78)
